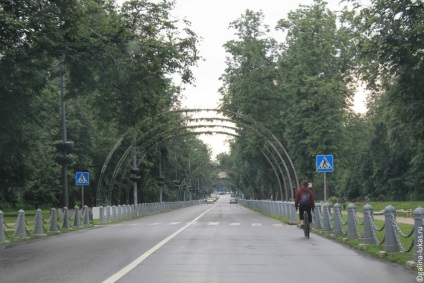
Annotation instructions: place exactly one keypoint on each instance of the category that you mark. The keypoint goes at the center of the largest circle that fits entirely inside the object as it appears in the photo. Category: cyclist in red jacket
(304, 200)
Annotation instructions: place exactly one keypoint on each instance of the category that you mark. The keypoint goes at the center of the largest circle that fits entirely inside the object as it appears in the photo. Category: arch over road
(209, 167)
(139, 142)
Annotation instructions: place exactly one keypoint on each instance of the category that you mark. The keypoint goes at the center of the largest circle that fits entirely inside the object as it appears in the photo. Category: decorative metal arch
(230, 170)
(172, 136)
(276, 147)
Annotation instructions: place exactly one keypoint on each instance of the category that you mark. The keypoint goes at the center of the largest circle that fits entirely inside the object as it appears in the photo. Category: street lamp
(63, 131)
(189, 166)
(183, 186)
(161, 182)
(176, 187)
(64, 147)
(160, 178)
(136, 173)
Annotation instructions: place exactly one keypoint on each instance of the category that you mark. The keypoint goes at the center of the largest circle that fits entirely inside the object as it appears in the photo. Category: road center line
(118, 275)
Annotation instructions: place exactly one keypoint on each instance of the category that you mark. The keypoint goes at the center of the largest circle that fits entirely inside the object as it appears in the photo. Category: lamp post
(183, 186)
(176, 187)
(160, 183)
(63, 133)
(160, 178)
(189, 168)
(135, 168)
(176, 182)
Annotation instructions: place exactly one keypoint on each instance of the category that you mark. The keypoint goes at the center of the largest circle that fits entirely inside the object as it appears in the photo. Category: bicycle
(306, 224)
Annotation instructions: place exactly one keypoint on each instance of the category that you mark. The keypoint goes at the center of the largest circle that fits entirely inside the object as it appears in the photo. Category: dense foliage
(118, 63)
(303, 88)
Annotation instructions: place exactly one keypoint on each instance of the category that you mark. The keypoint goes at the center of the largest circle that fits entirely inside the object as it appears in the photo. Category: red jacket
(298, 194)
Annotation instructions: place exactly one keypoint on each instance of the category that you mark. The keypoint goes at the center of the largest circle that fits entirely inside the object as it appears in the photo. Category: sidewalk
(405, 220)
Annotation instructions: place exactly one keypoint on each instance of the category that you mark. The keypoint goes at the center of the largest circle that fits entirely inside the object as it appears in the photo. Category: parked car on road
(233, 200)
(210, 200)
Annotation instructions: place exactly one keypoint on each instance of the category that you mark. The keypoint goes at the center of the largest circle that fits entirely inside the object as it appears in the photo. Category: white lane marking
(135, 224)
(256, 224)
(277, 225)
(213, 223)
(154, 224)
(235, 224)
(174, 223)
(118, 275)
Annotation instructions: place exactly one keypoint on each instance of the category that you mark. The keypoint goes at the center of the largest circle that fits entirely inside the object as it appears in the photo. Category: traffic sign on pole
(324, 163)
(82, 179)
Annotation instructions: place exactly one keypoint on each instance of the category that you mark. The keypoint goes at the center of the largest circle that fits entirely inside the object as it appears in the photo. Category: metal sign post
(325, 187)
(82, 196)
(324, 164)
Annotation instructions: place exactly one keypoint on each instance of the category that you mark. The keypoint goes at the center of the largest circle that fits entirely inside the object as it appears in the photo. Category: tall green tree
(250, 77)
(135, 54)
(117, 69)
(315, 70)
(249, 88)
(392, 63)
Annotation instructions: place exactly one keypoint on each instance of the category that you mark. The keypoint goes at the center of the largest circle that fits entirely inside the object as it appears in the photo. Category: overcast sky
(210, 20)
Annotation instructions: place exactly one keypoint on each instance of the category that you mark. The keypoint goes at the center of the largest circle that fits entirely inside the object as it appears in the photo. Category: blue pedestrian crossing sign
(325, 163)
(82, 179)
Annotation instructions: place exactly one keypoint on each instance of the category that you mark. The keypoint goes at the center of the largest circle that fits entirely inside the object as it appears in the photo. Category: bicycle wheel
(306, 224)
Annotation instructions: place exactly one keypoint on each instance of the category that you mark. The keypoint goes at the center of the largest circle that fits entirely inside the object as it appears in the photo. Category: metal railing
(63, 220)
(324, 220)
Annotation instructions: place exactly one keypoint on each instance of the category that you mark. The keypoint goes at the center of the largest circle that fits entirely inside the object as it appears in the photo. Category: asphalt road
(206, 243)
